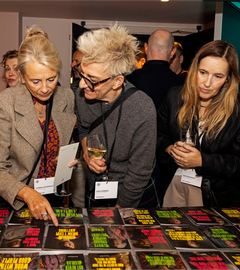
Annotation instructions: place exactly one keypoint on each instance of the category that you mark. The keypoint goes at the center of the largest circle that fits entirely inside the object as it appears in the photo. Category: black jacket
(155, 78)
(220, 156)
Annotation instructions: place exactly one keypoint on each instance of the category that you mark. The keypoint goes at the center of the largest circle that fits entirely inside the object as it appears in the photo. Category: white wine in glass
(96, 146)
(96, 153)
(97, 149)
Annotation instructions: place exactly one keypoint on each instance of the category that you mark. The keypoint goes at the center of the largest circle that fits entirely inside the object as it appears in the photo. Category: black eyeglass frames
(90, 84)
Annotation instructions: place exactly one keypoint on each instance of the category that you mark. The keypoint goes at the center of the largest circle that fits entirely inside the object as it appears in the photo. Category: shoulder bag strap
(125, 96)
(48, 115)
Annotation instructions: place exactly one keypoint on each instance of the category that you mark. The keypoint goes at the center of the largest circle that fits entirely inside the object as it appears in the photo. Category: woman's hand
(186, 156)
(169, 149)
(37, 204)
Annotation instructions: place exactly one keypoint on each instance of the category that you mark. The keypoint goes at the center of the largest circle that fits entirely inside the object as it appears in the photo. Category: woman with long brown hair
(209, 104)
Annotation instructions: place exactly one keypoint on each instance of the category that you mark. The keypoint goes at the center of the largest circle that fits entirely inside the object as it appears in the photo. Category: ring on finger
(45, 214)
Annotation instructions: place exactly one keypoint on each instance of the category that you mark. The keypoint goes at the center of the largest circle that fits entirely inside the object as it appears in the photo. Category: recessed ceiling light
(164, 0)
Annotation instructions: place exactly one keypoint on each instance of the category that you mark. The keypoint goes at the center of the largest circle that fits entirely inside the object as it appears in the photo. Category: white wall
(218, 21)
(60, 30)
(9, 33)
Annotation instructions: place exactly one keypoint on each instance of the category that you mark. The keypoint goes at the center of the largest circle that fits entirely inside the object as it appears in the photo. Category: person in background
(155, 78)
(23, 112)
(10, 63)
(78, 179)
(208, 103)
(76, 61)
(177, 60)
(141, 57)
(108, 56)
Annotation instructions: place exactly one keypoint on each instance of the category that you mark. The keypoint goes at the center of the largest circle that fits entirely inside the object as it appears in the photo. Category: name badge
(44, 185)
(106, 190)
(189, 177)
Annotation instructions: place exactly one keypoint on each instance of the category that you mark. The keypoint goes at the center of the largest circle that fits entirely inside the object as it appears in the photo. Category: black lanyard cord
(109, 157)
(199, 135)
(46, 136)
(44, 144)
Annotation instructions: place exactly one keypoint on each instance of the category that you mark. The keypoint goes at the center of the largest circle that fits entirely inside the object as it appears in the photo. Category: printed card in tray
(111, 261)
(222, 236)
(4, 215)
(23, 237)
(66, 238)
(98, 215)
(204, 216)
(68, 215)
(107, 237)
(207, 260)
(147, 237)
(234, 257)
(171, 215)
(23, 216)
(19, 261)
(160, 260)
(186, 237)
(137, 216)
(232, 214)
(62, 261)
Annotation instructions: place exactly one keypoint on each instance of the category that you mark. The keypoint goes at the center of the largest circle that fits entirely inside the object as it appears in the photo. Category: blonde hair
(112, 46)
(36, 47)
(223, 104)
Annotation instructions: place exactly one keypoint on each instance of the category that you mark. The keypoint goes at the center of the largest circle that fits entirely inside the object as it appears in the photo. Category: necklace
(40, 114)
(203, 106)
(200, 118)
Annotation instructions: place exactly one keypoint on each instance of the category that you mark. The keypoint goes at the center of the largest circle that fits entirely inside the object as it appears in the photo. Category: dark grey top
(134, 152)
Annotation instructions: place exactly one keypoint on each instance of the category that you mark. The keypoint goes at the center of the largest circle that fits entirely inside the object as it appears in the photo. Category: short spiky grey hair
(114, 47)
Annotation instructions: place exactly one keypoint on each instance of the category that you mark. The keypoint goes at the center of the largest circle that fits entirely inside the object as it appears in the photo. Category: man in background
(77, 183)
(177, 60)
(141, 57)
(76, 61)
(155, 78)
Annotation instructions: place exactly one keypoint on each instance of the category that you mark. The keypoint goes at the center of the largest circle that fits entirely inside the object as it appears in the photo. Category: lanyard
(45, 150)
(47, 121)
(109, 157)
(48, 115)
(199, 135)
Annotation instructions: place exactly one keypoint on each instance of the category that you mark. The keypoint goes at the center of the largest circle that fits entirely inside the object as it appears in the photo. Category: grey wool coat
(21, 136)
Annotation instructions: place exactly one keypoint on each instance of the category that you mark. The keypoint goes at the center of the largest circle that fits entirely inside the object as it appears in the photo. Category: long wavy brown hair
(223, 104)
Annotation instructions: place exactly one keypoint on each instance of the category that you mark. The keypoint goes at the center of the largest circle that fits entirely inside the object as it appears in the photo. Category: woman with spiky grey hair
(129, 128)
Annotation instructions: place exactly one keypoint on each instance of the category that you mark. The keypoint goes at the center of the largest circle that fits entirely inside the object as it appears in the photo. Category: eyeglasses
(90, 84)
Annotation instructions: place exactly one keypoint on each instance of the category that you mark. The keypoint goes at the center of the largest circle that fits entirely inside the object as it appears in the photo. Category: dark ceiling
(154, 11)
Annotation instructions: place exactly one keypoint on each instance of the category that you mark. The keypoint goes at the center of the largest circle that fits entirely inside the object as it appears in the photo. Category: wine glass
(189, 137)
(97, 149)
(63, 192)
(96, 146)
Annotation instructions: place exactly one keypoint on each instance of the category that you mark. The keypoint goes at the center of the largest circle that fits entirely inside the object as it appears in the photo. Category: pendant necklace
(201, 117)
(40, 114)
